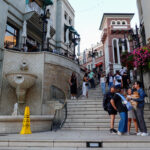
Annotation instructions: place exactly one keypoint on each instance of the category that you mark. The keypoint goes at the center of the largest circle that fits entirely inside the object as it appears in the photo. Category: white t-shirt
(102, 80)
(117, 78)
(110, 79)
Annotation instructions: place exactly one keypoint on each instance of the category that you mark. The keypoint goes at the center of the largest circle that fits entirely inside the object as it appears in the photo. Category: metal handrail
(60, 124)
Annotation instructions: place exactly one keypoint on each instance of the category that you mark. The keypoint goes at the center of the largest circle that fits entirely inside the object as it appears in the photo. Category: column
(67, 36)
(118, 53)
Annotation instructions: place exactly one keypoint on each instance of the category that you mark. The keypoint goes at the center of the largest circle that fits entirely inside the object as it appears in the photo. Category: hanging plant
(127, 60)
(142, 58)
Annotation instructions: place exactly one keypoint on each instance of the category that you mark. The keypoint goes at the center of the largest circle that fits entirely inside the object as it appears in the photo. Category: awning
(98, 64)
(71, 29)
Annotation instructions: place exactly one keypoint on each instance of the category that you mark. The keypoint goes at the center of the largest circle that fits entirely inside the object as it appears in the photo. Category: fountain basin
(13, 124)
(21, 81)
(24, 80)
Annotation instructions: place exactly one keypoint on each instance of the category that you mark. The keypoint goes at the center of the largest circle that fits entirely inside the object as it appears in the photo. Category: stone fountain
(22, 81)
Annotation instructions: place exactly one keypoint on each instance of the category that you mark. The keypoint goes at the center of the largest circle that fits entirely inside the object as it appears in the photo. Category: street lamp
(44, 17)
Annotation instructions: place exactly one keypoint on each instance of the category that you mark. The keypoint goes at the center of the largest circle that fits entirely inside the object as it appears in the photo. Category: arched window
(113, 22)
(115, 51)
(118, 22)
(124, 22)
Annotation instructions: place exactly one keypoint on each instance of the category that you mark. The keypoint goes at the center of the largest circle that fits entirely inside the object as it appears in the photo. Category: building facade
(22, 23)
(22, 28)
(115, 28)
(89, 62)
(143, 10)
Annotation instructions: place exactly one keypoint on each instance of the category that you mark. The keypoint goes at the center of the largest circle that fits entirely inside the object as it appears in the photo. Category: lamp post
(92, 54)
(44, 17)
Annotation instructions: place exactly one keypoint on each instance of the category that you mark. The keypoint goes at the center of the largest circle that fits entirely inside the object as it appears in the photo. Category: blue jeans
(110, 85)
(123, 122)
(103, 88)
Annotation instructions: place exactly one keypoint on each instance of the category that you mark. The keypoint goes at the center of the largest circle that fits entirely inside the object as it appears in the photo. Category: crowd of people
(123, 97)
(130, 106)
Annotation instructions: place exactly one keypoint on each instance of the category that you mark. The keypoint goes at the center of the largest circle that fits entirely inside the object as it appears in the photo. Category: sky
(88, 15)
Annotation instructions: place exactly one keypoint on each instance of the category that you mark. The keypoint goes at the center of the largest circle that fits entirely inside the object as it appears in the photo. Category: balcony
(119, 28)
(104, 35)
(34, 6)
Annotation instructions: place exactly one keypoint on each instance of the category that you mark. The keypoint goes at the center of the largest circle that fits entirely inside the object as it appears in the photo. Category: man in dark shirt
(126, 80)
(111, 111)
(118, 105)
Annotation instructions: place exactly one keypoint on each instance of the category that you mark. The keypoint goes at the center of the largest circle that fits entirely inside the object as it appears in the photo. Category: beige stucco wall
(51, 69)
(144, 11)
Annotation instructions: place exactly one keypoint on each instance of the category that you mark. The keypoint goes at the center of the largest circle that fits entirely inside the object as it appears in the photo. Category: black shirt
(118, 103)
(125, 79)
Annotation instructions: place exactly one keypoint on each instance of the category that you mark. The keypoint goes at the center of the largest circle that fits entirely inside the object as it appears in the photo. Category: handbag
(87, 84)
(128, 104)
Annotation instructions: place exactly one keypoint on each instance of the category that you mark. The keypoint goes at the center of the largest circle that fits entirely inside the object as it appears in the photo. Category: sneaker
(113, 131)
(119, 133)
(144, 134)
(74, 97)
(139, 134)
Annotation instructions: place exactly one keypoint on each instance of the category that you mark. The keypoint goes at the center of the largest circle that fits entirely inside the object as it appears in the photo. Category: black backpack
(105, 102)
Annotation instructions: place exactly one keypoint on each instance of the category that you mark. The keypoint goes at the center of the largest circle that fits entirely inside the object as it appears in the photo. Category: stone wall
(50, 69)
(11, 63)
(146, 77)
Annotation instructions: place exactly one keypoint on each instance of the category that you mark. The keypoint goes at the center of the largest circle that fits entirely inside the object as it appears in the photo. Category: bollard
(26, 122)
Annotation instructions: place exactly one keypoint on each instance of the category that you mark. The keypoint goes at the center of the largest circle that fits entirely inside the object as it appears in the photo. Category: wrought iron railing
(60, 115)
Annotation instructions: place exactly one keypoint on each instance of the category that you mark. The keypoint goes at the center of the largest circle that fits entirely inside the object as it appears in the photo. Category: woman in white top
(103, 83)
(85, 85)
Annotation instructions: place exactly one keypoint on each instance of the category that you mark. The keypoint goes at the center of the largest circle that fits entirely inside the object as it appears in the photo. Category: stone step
(64, 148)
(93, 112)
(85, 106)
(93, 108)
(83, 100)
(93, 124)
(85, 103)
(86, 129)
(86, 116)
(85, 109)
(122, 144)
(97, 120)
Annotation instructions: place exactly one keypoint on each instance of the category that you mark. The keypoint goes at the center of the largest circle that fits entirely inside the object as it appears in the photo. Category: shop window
(11, 37)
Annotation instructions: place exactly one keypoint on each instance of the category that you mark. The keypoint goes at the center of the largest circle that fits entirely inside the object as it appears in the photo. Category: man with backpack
(109, 108)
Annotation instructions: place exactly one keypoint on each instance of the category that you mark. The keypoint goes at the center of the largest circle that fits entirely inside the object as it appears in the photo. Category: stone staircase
(86, 122)
(88, 114)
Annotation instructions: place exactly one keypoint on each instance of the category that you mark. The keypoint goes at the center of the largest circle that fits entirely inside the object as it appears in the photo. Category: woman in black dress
(73, 85)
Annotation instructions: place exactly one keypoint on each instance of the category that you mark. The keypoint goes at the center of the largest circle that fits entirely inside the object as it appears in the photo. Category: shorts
(112, 112)
(131, 114)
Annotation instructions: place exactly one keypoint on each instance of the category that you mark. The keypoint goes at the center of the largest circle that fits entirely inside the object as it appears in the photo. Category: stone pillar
(118, 53)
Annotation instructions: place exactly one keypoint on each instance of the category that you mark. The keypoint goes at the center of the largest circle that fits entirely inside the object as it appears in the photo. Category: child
(131, 114)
